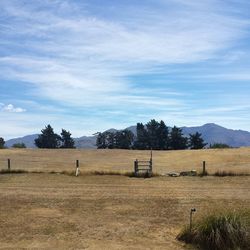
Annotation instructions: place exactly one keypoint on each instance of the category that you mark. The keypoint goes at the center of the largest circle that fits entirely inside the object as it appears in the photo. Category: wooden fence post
(9, 164)
(151, 161)
(204, 168)
(77, 167)
(136, 166)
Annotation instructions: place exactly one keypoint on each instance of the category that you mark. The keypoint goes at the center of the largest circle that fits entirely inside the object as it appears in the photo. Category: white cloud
(80, 58)
(10, 108)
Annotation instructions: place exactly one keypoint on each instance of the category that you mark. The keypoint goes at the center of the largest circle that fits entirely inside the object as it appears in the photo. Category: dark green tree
(196, 141)
(111, 139)
(141, 141)
(152, 132)
(177, 140)
(163, 136)
(124, 139)
(19, 145)
(2, 142)
(48, 139)
(66, 139)
(101, 140)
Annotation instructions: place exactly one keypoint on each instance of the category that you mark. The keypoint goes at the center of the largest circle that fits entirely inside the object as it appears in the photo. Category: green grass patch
(219, 231)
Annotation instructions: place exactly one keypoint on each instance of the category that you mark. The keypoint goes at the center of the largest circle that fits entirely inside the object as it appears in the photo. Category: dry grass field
(122, 160)
(55, 211)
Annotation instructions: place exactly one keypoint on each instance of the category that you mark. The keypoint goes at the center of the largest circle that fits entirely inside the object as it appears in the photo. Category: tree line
(49, 139)
(153, 135)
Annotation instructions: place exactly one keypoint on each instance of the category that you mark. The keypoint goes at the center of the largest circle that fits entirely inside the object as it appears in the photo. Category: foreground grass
(59, 211)
(219, 231)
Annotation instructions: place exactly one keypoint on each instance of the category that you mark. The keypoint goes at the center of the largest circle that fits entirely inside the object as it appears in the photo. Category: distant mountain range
(211, 133)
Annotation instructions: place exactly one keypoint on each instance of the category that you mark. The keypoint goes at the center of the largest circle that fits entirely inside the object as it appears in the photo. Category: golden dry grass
(45, 211)
(122, 160)
(53, 211)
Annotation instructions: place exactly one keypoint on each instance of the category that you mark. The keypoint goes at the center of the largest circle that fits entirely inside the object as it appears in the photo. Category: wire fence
(36, 165)
(123, 165)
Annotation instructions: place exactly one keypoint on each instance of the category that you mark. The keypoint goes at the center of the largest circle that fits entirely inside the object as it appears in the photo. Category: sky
(91, 65)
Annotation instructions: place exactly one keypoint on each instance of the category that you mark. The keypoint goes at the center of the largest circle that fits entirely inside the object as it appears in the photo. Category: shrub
(218, 232)
(201, 174)
(18, 145)
(13, 171)
(224, 173)
(219, 145)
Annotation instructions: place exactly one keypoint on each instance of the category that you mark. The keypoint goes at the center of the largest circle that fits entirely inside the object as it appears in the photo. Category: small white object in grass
(173, 174)
(77, 171)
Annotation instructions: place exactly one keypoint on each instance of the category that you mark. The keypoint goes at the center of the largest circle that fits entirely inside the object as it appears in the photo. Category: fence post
(77, 167)
(190, 223)
(136, 166)
(204, 168)
(9, 164)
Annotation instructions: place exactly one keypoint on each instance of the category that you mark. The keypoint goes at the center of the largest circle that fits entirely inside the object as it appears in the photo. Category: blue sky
(87, 66)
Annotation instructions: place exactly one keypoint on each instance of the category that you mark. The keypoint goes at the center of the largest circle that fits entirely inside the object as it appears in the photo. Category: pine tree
(67, 140)
(196, 141)
(152, 131)
(163, 136)
(48, 139)
(141, 137)
(177, 140)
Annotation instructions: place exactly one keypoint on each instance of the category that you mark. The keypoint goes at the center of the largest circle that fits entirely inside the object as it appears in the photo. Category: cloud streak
(84, 55)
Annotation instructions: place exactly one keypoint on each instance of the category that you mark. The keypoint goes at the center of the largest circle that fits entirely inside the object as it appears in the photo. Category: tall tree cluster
(49, 139)
(120, 139)
(154, 135)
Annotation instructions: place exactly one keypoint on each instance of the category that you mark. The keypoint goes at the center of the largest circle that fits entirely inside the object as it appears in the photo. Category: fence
(144, 167)
(38, 166)
(122, 161)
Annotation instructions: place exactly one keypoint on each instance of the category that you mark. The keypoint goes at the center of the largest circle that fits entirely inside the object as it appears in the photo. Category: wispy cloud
(81, 55)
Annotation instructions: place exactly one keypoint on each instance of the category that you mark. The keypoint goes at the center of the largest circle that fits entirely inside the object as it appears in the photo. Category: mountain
(28, 140)
(211, 133)
(85, 142)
